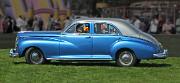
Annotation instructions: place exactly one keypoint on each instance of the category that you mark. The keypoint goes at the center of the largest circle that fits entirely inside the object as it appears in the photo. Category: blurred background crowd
(35, 23)
(156, 25)
(151, 16)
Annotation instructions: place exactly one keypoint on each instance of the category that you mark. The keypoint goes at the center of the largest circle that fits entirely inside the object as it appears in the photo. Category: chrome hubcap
(126, 58)
(36, 57)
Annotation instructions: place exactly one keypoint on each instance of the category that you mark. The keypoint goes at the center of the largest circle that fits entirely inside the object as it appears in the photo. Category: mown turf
(152, 71)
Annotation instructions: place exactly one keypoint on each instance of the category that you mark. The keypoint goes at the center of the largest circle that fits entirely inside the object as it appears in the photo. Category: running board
(70, 59)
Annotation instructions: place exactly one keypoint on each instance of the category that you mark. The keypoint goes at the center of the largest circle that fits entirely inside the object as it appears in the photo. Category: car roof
(99, 19)
(126, 28)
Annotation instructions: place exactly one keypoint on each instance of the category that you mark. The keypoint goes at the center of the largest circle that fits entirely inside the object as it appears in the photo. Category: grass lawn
(149, 71)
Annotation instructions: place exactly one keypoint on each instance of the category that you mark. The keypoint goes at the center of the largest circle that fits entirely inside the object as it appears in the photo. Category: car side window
(71, 29)
(104, 28)
(79, 28)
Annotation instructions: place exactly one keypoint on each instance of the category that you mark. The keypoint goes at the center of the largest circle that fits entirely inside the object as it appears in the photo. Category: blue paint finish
(49, 44)
(74, 46)
(142, 49)
(103, 43)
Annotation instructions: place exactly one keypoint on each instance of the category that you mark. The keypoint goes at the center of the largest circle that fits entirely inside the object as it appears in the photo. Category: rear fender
(142, 51)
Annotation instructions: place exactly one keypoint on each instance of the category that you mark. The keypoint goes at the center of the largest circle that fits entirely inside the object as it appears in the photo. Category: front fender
(142, 50)
(49, 46)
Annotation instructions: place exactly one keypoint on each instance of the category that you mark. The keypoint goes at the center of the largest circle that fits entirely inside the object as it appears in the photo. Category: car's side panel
(103, 43)
(48, 45)
(75, 44)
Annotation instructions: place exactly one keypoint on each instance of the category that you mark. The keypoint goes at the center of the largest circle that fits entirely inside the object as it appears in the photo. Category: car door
(104, 36)
(76, 42)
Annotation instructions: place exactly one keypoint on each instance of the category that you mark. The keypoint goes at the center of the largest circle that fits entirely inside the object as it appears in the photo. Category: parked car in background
(91, 39)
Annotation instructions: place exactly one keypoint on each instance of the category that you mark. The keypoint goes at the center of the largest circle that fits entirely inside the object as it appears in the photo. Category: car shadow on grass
(99, 64)
(153, 65)
(111, 64)
(82, 64)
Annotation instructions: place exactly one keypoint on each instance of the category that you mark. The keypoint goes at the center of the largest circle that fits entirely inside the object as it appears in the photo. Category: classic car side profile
(99, 39)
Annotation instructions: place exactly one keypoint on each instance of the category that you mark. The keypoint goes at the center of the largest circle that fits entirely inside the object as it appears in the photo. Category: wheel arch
(124, 49)
(24, 51)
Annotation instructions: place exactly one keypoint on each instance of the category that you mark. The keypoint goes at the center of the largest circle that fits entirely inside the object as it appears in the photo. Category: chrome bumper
(13, 54)
(162, 55)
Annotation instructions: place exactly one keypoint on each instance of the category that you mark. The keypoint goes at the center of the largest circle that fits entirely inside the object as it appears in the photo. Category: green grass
(152, 71)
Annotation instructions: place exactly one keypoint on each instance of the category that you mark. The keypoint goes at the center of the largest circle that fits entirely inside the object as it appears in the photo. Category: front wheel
(34, 56)
(126, 59)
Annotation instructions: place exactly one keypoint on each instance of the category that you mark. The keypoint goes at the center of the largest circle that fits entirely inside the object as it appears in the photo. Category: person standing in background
(57, 24)
(21, 23)
(161, 20)
(30, 23)
(10, 24)
(40, 23)
(167, 27)
(50, 22)
(35, 24)
(1, 20)
(5, 24)
(136, 21)
(178, 24)
(154, 25)
(66, 22)
(13, 24)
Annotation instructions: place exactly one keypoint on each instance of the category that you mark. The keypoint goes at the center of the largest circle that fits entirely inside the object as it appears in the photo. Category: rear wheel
(34, 56)
(126, 59)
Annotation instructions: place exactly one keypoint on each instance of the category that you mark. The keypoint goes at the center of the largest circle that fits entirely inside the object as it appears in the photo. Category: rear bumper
(13, 53)
(162, 55)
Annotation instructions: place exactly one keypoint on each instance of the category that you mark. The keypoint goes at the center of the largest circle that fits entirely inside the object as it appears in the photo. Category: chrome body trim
(13, 53)
(77, 59)
(161, 55)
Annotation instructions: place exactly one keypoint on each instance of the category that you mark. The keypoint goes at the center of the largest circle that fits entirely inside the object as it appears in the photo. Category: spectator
(147, 22)
(178, 24)
(136, 21)
(161, 20)
(9, 25)
(50, 22)
(66, 22)
(1, 21)
(5, 24)
(154, 25)
(167, 27)
(21, 23)
(40, 23)
(142, 26)
(13, 24)
(57, 24)
(35, 24)
(30, 23)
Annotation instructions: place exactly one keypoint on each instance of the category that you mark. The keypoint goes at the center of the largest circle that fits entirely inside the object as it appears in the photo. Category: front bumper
(13, 53)
(161, 55)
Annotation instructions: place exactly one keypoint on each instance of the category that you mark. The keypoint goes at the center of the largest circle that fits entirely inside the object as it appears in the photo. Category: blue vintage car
(89, 39)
